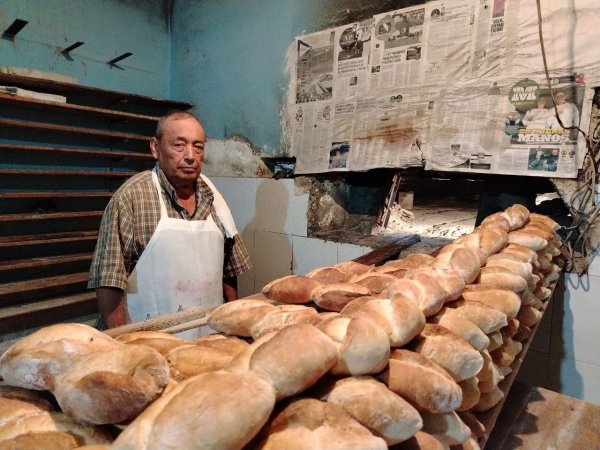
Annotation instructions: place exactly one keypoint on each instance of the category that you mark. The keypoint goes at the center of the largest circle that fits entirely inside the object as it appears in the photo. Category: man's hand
(230, 288)
(111, 304)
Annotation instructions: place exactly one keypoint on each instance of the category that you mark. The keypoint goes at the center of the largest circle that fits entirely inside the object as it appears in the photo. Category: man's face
(180, 150)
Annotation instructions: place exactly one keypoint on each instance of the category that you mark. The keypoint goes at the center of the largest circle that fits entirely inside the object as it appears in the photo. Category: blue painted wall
(109, 28)
(229, 58)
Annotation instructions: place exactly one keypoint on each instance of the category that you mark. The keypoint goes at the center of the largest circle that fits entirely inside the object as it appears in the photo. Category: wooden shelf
(55, 194)
(29, 286)
(69, 89)
(14, 100)
(39, 307)
(68, 173)
(49, 127)
(47, 238)
(48, 216)
(31, 263)
(76, 151)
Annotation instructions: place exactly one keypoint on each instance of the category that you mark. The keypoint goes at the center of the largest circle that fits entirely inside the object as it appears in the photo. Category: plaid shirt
(129, 222)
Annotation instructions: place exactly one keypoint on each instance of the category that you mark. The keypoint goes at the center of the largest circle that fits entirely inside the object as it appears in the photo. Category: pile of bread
(401, 355)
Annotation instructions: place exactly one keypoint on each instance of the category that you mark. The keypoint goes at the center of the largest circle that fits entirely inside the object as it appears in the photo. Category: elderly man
(167, 240)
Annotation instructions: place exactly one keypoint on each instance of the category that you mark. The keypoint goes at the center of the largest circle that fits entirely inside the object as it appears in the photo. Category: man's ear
(154, 147)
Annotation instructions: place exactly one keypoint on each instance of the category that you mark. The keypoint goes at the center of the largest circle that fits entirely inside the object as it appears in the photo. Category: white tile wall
(312, 253)
(579, 330)
(578, 379)
(347, 252)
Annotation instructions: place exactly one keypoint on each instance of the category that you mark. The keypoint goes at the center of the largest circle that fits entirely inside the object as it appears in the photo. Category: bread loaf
(283, 316)
(328, 275)
(500, 299)
(422, 382)
(529, 316)
(488, 400)
(159, 341)
(527, 239)
(496, 340)
(447, 427)
(462, 327)
(466, 261)
(374, 281)
(40, 399)
(422, 289)
(518, 215)
(506, 354)
(49, 430)
(213, 410)
(499, 220)
(511, 263)
(448, 350)
(486, 318)
(292, 360)
(451, 282)
(470, 393)
(354, 268)
(488, 238)
(364, 347)
(399, 317)
(309, 423)
(35, 361)
(239, 316)
(291, 289)
(521, 252)
(422, 441)
(375, 407)
(113, 386)
(547, 221)
(334, 296)
(502, 278)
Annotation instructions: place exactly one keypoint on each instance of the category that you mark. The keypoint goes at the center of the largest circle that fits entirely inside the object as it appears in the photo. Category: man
(167, 240)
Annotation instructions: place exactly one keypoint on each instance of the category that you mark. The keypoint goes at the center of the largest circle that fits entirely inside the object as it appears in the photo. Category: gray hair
(176, 114)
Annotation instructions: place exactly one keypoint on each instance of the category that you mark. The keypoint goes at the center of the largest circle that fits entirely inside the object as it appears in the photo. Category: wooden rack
(59, 165)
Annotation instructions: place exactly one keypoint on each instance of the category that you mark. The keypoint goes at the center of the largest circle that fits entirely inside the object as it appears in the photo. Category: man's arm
(111, 304)
(230, 288)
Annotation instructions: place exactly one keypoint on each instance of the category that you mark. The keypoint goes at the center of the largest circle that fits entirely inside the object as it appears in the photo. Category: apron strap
(163, 208)
(222, 210)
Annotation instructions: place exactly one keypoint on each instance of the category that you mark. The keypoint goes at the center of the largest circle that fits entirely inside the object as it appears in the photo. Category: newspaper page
(509, 128)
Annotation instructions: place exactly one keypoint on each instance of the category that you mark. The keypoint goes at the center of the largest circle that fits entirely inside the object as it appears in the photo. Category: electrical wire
(584, 196)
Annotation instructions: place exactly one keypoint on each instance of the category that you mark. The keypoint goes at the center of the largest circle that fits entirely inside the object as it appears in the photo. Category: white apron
(182, 265)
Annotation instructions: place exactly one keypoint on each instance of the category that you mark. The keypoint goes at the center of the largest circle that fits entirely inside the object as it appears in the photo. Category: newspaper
(451, 85)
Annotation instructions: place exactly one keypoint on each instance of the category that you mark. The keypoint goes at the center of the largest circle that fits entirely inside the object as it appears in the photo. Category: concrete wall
(108, 29)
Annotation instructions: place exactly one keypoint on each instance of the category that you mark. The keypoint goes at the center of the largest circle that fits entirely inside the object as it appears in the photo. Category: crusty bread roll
(374, 406)
(529, 316)
(470, 393)
(527, 239)
(49, 430)
(549, 222)
(477, 428)
(364, 347)
(488, 238)
(486, 318)
(448, 350)
(12, 409)
(422, 382)
(291, 360)
(205, 355)
(518, 215)
(502, 278)
(421, 441)
(447, 427)
(239, 316)
(496, 340)
(41, 399)
(506, 354)
(466, 261)
(374, 281)
(159, 341)
(461, 326)
(334, 296)
(451, 282)
(291, 289)
(283, 316)
(510, 329)
(354, 268)
(522, 334)
(213, 410)
(500, 299)
(35, 361)
(488, 400)
(112, 386)
(309, 423)
(499, 220)
(399, 317)
(512, 263)
(423, 289)
(490, 382)
(328, 275)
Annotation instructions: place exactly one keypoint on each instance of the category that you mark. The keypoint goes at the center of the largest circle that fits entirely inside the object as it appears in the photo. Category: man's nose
(188, 152)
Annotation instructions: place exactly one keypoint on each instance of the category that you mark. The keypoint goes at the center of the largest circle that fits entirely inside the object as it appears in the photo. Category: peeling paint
(233, 157)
